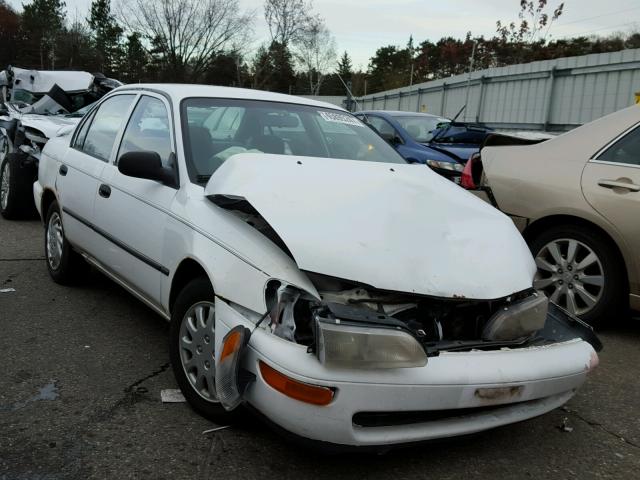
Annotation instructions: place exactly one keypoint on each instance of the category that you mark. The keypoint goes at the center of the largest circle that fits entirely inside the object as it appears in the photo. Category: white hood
(392, 226)
(48, 124)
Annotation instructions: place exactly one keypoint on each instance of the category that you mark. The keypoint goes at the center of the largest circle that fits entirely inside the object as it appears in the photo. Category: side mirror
(148, 165)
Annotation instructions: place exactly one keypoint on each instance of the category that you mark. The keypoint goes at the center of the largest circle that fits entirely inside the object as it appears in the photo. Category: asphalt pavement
(82, 369)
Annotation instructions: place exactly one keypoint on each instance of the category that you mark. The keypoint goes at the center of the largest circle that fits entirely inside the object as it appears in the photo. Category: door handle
(632, 187)
(104, 191)
(63, 170)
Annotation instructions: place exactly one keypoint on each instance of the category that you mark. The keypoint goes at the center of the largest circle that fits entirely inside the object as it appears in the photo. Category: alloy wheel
(197, 354)
(571, 275)
(55, 241)
(4, 185)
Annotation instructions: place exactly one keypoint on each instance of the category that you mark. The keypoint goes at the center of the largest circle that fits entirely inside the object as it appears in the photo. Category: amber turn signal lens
(303, 392)
(231, 345)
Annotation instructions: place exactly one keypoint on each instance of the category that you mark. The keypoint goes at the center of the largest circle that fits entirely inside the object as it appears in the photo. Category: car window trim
(172, 136)
(94, 113)
(596, 157)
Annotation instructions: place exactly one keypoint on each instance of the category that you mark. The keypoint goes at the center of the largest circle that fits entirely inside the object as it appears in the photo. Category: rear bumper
(469, 391)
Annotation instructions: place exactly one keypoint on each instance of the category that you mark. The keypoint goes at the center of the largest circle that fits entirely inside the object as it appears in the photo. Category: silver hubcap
(570, 274)
(4, 185)
(197, 354)
(55, 241)
(4, 147)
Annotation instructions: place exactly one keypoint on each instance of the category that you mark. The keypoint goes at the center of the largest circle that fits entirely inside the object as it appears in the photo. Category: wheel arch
(542, 224)
(48, 197)
(187, 270)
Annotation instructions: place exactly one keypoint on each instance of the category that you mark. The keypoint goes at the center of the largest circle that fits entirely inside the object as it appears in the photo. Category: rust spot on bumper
(499, 393)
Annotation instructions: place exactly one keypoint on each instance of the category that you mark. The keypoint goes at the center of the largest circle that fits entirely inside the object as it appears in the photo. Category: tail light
(471, 172)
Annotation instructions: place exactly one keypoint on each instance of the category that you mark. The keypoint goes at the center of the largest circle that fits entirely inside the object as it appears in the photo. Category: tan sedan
(576, 200)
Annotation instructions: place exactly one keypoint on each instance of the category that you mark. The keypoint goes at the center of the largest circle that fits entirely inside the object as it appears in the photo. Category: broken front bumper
(456, 393)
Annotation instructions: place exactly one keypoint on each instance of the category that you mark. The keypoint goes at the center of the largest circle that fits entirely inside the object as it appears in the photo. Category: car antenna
(350, 93)
(446, 129)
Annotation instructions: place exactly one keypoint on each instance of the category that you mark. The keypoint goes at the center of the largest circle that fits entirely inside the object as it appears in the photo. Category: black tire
(70, 267)
(19, 200)
(198, 290)
(613, 302)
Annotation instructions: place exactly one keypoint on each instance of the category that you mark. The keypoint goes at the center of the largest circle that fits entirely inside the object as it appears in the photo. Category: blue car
(438, 142)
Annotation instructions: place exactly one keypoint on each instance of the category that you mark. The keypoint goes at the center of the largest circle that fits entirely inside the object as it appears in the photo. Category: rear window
(216, 129)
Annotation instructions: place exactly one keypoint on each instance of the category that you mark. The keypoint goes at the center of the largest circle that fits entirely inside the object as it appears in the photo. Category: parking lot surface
(83, 367)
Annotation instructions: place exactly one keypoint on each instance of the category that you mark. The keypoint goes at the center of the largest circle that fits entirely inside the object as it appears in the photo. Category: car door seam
(130, 250)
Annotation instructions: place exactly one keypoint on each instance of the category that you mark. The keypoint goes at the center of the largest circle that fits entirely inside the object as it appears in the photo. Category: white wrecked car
(307, 271)
(34, 106)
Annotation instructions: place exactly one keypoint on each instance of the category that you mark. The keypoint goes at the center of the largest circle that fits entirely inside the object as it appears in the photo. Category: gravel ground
(82, 370)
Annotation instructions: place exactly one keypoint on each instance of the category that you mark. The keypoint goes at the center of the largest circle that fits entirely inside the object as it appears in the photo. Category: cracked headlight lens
(349, 346)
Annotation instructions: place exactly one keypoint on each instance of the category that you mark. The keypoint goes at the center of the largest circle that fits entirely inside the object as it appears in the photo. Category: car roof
(180, 91)
(399, 113)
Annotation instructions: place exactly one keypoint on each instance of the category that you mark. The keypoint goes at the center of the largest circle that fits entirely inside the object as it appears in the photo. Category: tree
(186, 34)
(287, 19)
(533, 19)
(42, 22)
(135, 60)
(316, 53)
(345, 67)
(9, 34)
(75, 48)
(273, 68)
(107, 34)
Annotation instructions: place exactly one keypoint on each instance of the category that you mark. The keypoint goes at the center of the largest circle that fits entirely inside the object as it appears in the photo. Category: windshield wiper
(202, 178)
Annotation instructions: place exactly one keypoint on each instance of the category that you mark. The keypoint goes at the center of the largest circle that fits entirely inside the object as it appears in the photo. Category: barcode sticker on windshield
(341, 118)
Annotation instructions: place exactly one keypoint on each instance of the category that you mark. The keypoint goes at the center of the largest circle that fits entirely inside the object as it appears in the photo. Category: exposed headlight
(340, 345)
(518, 320)
(453, 166)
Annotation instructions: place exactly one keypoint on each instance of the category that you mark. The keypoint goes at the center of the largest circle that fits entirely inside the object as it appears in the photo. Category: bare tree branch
(187, 33)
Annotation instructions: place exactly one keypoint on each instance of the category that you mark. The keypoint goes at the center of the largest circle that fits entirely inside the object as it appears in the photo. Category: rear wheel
(192, 348)
(579, 270)
(65, 265)
(16, 186)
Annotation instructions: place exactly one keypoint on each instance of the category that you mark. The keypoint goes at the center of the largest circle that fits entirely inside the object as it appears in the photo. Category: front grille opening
(392, 419)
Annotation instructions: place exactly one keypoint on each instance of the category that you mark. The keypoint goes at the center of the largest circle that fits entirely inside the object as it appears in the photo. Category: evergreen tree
(345, 67)
(107, 34)
(42, 22)
(135, 61)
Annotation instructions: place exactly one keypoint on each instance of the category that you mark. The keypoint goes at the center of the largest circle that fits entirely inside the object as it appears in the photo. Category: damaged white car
(34, 106)
(277, 234)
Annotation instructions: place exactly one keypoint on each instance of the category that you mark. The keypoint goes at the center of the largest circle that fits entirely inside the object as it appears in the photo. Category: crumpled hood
(392, 226)
(48, 124)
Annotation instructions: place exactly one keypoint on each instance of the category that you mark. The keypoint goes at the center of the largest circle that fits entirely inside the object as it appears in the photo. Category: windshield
(421, 129)
(216, 129)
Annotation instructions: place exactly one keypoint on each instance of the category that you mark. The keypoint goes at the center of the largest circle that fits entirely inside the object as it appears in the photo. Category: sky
(362, 26)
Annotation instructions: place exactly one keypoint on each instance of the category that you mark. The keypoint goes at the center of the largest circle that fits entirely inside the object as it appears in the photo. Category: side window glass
(148, 129)
(626, 150)
(79, 141)
(382, 126)
(105, 126)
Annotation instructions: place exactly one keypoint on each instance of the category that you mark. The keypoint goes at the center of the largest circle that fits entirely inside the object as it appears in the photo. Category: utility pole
(466, 100)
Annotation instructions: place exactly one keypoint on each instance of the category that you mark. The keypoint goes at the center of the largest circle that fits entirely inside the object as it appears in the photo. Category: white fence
(547, 95)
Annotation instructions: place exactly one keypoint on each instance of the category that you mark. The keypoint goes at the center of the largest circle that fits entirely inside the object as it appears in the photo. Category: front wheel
(192, 348)
(16, 186)
(579, 271)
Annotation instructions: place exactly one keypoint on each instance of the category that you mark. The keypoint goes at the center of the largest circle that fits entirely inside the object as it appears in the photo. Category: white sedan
(307, 271)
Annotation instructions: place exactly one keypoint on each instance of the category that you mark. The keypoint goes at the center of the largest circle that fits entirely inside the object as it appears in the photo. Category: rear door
(79, 173)
(611, 184)
(134, 210)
